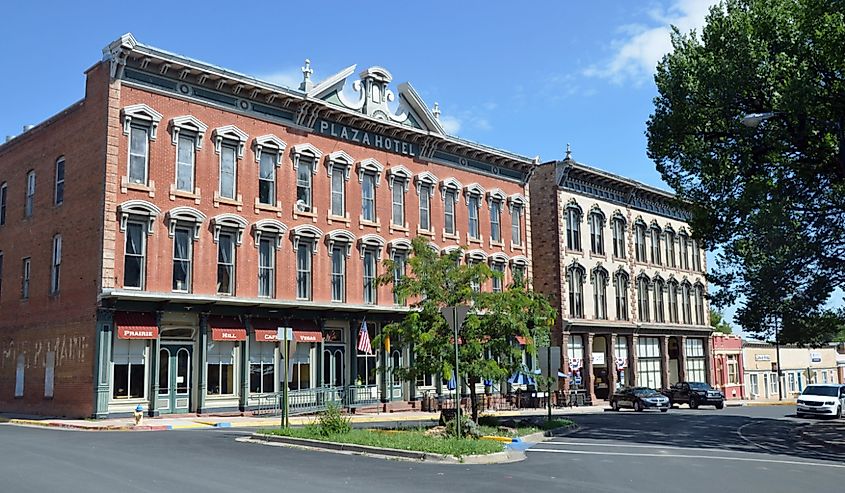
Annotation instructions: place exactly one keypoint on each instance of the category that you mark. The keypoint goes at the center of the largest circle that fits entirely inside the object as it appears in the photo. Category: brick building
(728, 367)
(626, 276)
(154, 235)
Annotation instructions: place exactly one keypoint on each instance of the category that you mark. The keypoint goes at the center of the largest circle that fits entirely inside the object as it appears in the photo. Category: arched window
(573, 227)
(639, 241)
(686, 306)
(620, 283)
(619, 226)
(596, 231)
(669, 235)
(656, 258)
(683, 239)
(599, 281)
(575, 279)
(659, 312)
(642, 298)
(699, 304)
(673, 301)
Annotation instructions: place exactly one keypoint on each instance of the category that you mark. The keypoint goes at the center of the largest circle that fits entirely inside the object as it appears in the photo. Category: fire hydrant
(138, 414)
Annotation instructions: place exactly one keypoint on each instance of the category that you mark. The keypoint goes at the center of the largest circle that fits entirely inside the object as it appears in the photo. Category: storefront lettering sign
(365, 138)
(815, 357)
(228, 334)
(137, 332)
(762, 357)
(598, 358)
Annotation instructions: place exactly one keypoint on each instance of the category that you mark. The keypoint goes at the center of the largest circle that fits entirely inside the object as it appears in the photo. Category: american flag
(364, 339)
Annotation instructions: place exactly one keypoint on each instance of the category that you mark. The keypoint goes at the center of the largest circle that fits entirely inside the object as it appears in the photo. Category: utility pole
(777, 355)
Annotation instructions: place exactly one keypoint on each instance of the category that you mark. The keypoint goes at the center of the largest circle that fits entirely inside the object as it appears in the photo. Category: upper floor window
(305, 158)
(620, 284)
(30, 194)
(639, 241)
(187, 134)
(683, 239)
(518, 267)
(659, 311)
(655, 245)
(686, 307)
(182, 259)
(642, 298)
(370, 247)
(449, 198)
(619, 237)
(140, 123)
(226, 263)
(575, 281)
(229, 143)
(338, 273)
(59, 189)
(400, 262)
(696, 256)
(497, 265)
(399, 181)
(473, 194)
(599, 276)
(137, 219)
(266, 267)
(699, 305)
(597, 232)
(338, 165)
(56, 264)
(573, 228)
(26, 272)
(495, 199)
(369, 176)
(673, 301)
(4, 192)
(516, 225)
(670, 247)
(425, 183)
(305, 241)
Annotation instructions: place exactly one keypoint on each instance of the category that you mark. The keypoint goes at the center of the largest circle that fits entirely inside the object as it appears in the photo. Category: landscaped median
(417, 444)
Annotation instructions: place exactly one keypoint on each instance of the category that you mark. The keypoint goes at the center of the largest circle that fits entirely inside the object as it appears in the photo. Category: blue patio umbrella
(452, 383)
(520, 378)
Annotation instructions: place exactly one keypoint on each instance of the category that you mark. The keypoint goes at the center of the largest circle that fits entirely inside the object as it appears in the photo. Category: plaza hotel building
(627, 277)
(155, 234)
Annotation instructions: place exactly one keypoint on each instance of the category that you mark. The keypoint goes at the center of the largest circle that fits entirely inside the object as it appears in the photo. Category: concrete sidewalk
(193, 422)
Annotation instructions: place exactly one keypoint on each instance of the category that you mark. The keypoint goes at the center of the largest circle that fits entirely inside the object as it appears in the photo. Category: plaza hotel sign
(368, 139)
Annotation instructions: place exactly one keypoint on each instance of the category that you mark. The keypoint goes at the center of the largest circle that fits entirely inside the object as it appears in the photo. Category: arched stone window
(338, 166)
(573, 226)
(140, 210)
(340, 238)
(598, 278)
(231, 222)
(269, 228)
(187, 216)
(620, 285)
(575, 276)
(643, 283)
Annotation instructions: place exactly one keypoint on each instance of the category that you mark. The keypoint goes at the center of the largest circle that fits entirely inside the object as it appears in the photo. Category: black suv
(694, 394)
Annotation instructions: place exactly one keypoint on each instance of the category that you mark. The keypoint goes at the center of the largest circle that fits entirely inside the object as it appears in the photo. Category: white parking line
(684, 456)
(625, 445)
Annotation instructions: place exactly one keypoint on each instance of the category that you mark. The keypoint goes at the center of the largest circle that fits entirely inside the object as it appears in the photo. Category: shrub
(333, 422)
(468, 428)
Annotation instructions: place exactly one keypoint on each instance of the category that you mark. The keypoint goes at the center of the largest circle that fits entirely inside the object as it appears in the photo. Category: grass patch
(524, 428)
(415, 440)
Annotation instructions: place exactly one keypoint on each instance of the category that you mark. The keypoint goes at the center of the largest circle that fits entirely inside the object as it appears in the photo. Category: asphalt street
(749, 449)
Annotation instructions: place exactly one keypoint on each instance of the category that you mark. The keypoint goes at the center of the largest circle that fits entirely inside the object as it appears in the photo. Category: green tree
(487, 348)
(769, 199)
(718, 322)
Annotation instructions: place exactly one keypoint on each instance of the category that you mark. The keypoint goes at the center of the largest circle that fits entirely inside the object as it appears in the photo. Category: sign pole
(457, 373)
(549, 382)
(282, 333)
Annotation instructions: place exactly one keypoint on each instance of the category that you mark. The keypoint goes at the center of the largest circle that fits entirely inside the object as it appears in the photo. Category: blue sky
(528, 77)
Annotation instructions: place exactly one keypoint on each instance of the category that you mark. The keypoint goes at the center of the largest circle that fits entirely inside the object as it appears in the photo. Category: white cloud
(450, 124)
(290, 78)
(636, 54)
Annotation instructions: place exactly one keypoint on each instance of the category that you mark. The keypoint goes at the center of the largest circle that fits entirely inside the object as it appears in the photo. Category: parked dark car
(638, 399)
(694, 394)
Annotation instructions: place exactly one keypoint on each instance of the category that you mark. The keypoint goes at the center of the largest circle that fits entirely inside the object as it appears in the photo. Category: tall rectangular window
(368, 197)
(266, 267)
(425, 208)
(618, 238)
(621, 287)
(516, 225)
(182, 256)
(673, 302)
(696, 256)
(129, 368)
(262, 367)
(226, 263)
(648, 363)
(185, 162)
(684, 241)
(26, 272)
(338, 274)
(59, 191)
(303, 271)
(30, 194)
(398, 216)
(642, 298)
(670, 249)
(596, 234)
(449, 212)
(399, 263)
(338, 192)
(139, 143)
(228, 171)
(267, 178)
(573, 229)
(1, 273)
(304, 172)
(4, 191)
(472, 208)
(135, 253)
(658, 302)
(220, 364)
(498, 276)
(639, 242)
(655, 246)
(56, 264)
(496, 221)
(686, 309)
(369, 277)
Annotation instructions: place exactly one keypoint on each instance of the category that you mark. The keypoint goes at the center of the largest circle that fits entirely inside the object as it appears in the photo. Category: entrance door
(395, 384)
(334, 369)
(174, 378)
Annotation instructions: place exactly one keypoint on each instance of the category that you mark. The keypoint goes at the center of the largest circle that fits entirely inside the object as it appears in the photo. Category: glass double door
(174, 378)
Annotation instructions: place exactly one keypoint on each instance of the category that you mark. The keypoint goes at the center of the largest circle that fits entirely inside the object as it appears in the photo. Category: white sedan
(821, 400)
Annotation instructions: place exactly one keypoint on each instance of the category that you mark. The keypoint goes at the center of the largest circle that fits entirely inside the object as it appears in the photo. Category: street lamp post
(777, 356)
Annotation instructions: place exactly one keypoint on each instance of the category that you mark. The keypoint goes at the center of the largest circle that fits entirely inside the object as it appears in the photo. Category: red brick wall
(162, 172)
(545, 234)
(64, 322)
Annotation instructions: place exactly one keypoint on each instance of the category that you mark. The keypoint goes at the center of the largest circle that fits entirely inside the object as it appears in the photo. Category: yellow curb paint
(193, 426)
(497, 439)
(206, 423)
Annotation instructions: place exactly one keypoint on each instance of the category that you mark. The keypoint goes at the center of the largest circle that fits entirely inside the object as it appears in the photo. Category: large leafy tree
(718, 322)
(487, 349)
(770, 198)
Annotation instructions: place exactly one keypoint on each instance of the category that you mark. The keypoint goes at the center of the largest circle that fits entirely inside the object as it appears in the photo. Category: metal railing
(309, 401)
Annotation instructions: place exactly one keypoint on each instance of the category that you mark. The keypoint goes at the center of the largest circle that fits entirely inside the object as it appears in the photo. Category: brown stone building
(154, 235)
(627, 278)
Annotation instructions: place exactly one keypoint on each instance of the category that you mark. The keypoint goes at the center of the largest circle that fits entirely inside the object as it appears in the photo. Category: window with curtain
(220, 376)
(642, 298)
(498, 276)
(449, 211)
(129, 368)
(139, 141)
(621, 290)
(472, 209)
(496, 221)
(262, 367)
(600, 293)
(516, 225)
(573, 229)
(398, 210)
(303, 271)
(648, 363)
(338, 274)
(266, 267)
(226, 263)
(228, 171)
(185, 159)
(370, 291)
(182, 253)
(134, 259)
(304, 173)
(338, 191)
(267, 177)
(425, 207)
(368, 197)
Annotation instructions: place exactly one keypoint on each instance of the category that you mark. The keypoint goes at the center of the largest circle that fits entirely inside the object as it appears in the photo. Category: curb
(69, 426)
(383, 453)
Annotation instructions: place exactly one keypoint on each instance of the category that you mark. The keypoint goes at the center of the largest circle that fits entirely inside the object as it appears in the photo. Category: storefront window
(262, 367)
(367, 364)
(129, 368)
(621, 351)
(648, 362)
(733, 369)
(300, 372)
(221, 368)
(694, 350)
